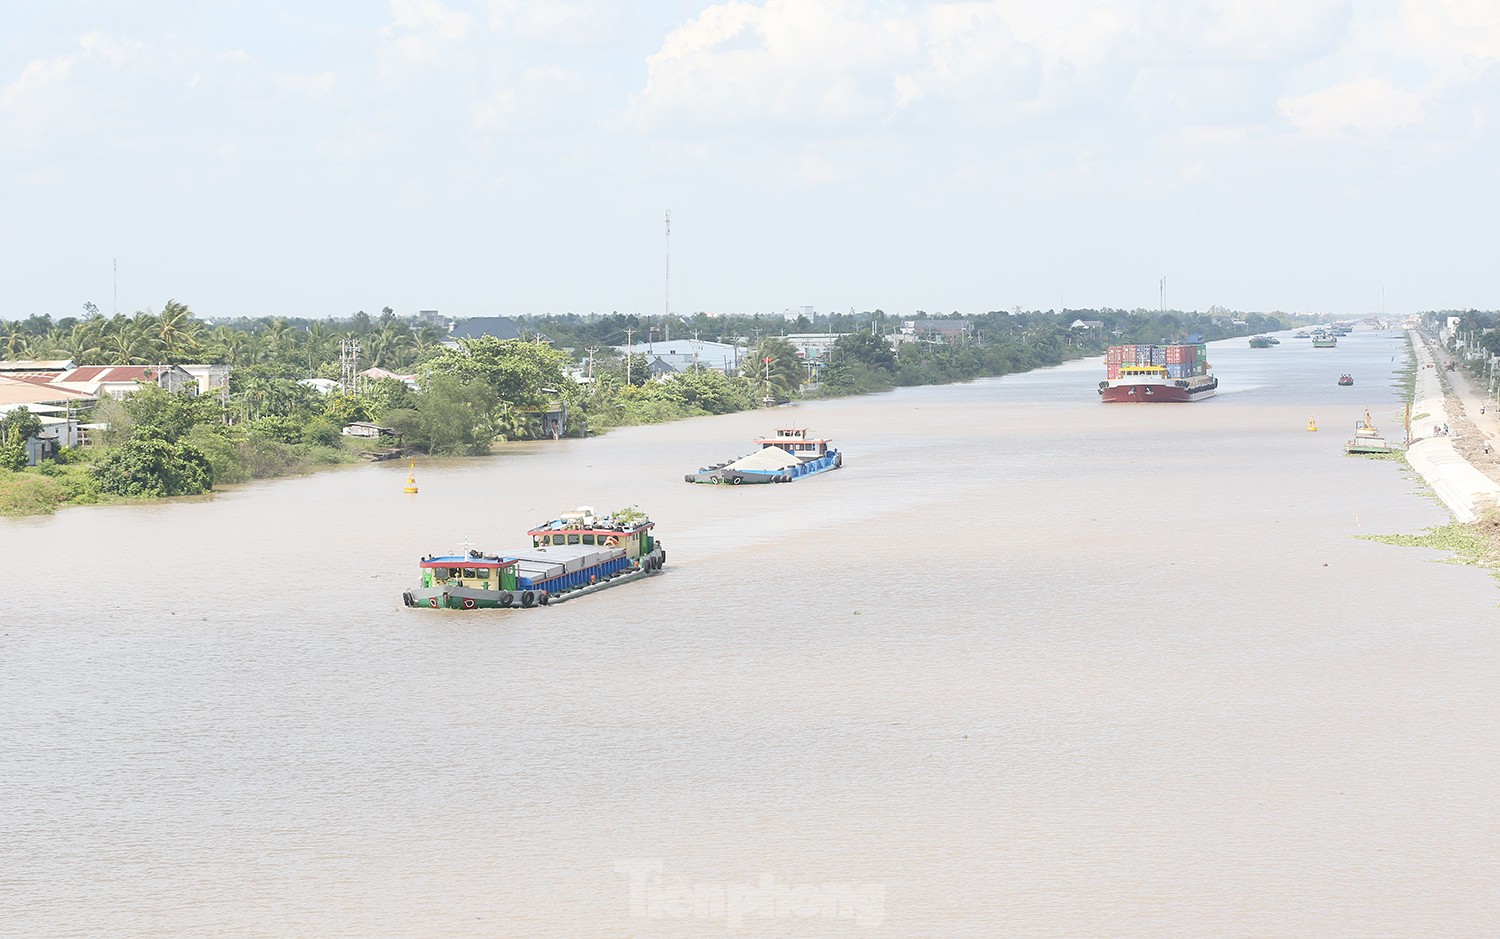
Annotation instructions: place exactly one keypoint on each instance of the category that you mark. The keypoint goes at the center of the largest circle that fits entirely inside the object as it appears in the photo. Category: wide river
(1029, 665)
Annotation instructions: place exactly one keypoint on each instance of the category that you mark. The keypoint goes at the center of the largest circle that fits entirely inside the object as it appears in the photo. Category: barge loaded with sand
(1145, 374)
(576, 553)
(789, 454)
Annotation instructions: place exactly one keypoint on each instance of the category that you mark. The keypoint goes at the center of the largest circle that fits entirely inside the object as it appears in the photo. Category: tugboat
(1261, 342)
(789, 454)
(1346, 379)
(576, 553)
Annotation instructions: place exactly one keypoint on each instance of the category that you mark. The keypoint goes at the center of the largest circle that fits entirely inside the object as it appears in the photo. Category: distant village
(62, 393)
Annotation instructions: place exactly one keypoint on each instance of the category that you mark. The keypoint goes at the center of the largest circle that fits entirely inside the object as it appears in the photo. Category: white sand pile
(768, 458)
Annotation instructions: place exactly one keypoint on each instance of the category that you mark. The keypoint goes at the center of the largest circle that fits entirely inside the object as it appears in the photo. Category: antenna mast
(667, 287)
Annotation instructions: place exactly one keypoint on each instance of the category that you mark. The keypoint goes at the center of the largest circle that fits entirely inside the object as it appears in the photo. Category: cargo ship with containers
(576, 553)
(1159, 373)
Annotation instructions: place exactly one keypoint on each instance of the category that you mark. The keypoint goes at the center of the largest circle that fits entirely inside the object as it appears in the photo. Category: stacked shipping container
(1181, 361)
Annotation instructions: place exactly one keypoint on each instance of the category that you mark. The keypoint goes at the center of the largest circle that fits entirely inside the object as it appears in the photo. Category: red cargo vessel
(1147, 374)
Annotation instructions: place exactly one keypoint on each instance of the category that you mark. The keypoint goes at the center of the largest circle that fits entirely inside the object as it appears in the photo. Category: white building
(683, 354)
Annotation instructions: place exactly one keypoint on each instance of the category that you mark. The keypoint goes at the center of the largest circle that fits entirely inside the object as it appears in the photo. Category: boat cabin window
(543, 541)
(468, 572)
(573, 539)
(588, 539)
(441, 573)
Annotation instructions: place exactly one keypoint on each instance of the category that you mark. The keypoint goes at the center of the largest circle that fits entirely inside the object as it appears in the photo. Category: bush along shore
(435, 397)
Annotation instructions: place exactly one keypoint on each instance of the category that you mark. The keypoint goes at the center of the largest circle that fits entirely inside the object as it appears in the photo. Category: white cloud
(423, 34)
(1456, 38)
(564, 23)
(61, 94)
(813, 62)
(828, 62)
(1365, 107)
(540, 95)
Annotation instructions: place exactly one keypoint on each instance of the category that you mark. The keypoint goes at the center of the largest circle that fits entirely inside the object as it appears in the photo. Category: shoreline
(1454, 466)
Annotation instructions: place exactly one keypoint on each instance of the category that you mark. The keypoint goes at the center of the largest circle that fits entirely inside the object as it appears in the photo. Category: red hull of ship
(1151, 393)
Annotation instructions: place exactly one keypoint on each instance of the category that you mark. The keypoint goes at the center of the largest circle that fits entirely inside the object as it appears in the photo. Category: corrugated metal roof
(35, 365)
(28, 392)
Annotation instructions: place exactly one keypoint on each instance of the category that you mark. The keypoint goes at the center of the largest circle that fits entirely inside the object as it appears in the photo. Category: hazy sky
(313, 159)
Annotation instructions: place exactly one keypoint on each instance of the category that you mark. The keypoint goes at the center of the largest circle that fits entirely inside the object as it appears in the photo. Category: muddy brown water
(1027, 665)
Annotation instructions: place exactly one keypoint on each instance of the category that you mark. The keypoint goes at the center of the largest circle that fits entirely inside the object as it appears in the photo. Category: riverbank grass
(1473, 544)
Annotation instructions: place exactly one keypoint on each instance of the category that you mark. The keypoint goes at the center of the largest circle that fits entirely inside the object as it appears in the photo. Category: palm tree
(14, 341)
(227, 346)
(84, 343)
(130, 344)
(177, 330)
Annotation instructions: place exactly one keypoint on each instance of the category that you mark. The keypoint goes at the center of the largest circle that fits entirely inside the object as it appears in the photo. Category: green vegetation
(268, 422)
(15, 428)
(1407, 376)
(1476, 544)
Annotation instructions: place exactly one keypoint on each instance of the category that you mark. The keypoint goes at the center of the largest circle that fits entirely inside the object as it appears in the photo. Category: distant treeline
(268, 422)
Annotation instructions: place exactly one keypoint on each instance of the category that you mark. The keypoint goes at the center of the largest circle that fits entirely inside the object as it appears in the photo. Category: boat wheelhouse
(577, 552)
(788, 454)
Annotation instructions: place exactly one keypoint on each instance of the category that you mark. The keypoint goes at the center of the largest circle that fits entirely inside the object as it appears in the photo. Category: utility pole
(348, 363)
(628, 331)
(1162, 303)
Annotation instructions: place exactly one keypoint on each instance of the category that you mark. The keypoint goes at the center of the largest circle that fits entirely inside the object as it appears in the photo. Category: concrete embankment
(1454, 464)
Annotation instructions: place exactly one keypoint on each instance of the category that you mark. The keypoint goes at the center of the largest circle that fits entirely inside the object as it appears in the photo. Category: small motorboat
(1346, 379)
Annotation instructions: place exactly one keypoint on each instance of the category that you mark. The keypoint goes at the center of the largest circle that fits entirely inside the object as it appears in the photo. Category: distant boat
(1324, 342)
(1260, 342)
(1346, 379)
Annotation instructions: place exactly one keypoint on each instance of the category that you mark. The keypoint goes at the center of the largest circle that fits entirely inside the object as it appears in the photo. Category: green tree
(150, 466)
(177, 331)
(16, 427)
(524, 376)
(865, 348)
(172, 413)
(775, 369)
(450, 417)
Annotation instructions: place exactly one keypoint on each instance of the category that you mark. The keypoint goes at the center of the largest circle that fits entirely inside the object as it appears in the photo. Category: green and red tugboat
(579, 552)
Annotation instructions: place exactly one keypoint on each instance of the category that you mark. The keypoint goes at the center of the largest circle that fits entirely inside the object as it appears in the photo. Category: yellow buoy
(411, 479)
(1312, 424)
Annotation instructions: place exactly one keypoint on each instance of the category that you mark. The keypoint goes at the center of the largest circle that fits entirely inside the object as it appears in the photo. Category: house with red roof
(117, 381)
